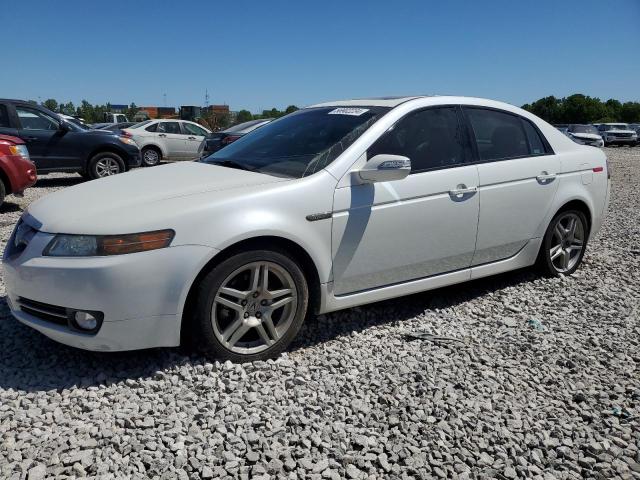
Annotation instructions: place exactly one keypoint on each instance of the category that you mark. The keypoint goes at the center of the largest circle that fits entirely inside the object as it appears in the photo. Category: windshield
(300, 143)
(141, 124)
(583, 129)
(617, 126)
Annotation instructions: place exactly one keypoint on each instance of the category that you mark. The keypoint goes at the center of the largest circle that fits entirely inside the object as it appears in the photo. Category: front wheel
(104, 165)
(564, 243)
(250, 307)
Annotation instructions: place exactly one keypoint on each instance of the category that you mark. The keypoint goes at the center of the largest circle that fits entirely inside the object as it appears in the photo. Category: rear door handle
(462, 189)
(162, 135)
(192, 138)
(546, 177)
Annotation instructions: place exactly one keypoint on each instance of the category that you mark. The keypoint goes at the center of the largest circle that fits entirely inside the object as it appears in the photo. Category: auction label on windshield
(356, 112)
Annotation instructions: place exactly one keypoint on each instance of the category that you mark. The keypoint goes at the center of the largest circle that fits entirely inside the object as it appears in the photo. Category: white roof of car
(433, 99)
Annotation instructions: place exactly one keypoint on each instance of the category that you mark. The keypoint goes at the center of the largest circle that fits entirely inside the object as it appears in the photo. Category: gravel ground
(542, 382)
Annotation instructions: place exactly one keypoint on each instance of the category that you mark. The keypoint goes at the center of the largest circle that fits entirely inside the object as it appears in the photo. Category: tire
(105, 164)
(3, 193)
(242, 325)
(150, 157)
(564, 243)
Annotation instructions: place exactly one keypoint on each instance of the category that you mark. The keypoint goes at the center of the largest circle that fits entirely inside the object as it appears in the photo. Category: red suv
(17, 171)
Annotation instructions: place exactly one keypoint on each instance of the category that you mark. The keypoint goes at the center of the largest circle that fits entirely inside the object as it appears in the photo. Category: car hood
(615, 130)
(79, 209)
(590, 136)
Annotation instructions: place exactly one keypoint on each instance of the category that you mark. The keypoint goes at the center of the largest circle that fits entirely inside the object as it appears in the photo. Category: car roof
(431, 100)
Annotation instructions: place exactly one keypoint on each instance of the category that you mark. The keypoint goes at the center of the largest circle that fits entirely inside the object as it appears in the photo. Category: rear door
(194, 137)
(517, 172)
(170, 134)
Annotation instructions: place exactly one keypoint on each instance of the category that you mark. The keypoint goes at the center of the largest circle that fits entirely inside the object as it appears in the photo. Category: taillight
(125, 134)
(230, 139)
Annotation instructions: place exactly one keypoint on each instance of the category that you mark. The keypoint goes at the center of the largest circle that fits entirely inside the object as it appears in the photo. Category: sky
(257, 55)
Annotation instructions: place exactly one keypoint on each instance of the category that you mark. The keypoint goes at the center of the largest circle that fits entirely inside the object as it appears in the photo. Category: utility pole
(164, 96)
(206, 97)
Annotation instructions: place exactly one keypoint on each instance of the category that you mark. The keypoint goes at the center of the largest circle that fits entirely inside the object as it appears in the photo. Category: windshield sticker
(356, 112)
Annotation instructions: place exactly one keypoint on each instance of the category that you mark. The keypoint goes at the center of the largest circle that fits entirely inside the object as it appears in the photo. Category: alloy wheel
(254, 307)
(567, 242)
(151, 157)
(107, 166)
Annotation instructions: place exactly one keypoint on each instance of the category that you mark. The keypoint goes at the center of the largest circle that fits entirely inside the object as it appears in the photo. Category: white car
(585, 135)
(617, 134)
(336, 205)
(167, 140)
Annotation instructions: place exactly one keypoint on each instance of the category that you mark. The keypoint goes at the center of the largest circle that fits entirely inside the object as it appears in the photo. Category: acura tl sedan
(336, 205)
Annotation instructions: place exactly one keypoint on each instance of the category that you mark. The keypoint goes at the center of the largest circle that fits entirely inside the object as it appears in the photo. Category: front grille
(621, 135)
(44, 311)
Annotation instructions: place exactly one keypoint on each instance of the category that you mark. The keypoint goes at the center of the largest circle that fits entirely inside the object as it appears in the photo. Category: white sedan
(333, 206)
(167, 140)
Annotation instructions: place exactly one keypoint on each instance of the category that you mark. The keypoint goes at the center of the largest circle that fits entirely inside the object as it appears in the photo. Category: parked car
(56, 145)
(332, 206)
(77, 121)
(585, 135)
(116, 127)
(17, 171)
(167, 140)
(215, 141)
(636, 128)
(110, 118)
(617, 134)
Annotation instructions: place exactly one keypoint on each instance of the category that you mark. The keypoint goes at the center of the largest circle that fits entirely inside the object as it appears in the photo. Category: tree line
(95, 113)
(578, 108)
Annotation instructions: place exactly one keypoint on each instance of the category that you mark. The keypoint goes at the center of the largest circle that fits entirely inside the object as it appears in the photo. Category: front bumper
(141, 295)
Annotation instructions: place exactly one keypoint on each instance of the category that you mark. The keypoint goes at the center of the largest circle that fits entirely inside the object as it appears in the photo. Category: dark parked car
(17, 171)
(56, 145)
(215, 141)
(116, 127)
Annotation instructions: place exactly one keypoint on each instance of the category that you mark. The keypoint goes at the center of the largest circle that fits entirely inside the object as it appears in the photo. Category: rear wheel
(564, 243)
(150, 157)
(105, 164)
(250, 307)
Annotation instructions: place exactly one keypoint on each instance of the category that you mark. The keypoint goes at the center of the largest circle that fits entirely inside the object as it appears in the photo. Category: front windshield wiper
(232, 164)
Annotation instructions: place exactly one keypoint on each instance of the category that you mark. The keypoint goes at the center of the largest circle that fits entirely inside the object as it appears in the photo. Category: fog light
(85, 321)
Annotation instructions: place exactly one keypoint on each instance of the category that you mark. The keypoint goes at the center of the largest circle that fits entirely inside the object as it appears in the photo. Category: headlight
(64, 245)
(128, 141)
(20, 150)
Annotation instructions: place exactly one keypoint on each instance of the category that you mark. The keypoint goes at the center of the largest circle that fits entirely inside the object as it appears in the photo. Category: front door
(49, 146)
(517, 182)
(423, 225)
(174, 141)
(195, 137)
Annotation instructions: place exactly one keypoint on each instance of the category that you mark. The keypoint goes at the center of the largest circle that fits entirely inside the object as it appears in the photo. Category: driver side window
(432, 139)
(35, 120)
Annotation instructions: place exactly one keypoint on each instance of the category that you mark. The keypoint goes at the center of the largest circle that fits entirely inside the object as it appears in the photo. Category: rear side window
(4, 117)
(498, 135)
(431, 139)
(536, 145)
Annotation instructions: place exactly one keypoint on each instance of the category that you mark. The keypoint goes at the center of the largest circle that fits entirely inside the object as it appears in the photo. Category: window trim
(467, 146)
(474, 143)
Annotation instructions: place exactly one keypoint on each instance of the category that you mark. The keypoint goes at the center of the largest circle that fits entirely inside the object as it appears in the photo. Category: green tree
(580, 108)
(630, 112)
(614, 109)
(131, 111)
(290, 109)
(51, 104)
(547, 108)
(244, 116)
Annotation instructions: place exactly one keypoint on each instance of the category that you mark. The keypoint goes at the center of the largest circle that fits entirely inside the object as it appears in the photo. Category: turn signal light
(136, 242)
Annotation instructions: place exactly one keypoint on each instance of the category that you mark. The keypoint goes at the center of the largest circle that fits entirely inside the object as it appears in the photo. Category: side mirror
(63, 126)
(385, 168)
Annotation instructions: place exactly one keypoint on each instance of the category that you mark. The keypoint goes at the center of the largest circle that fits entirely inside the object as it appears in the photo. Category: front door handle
(162, 135)
(546, 177)
(192, 138)
(461, 190)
